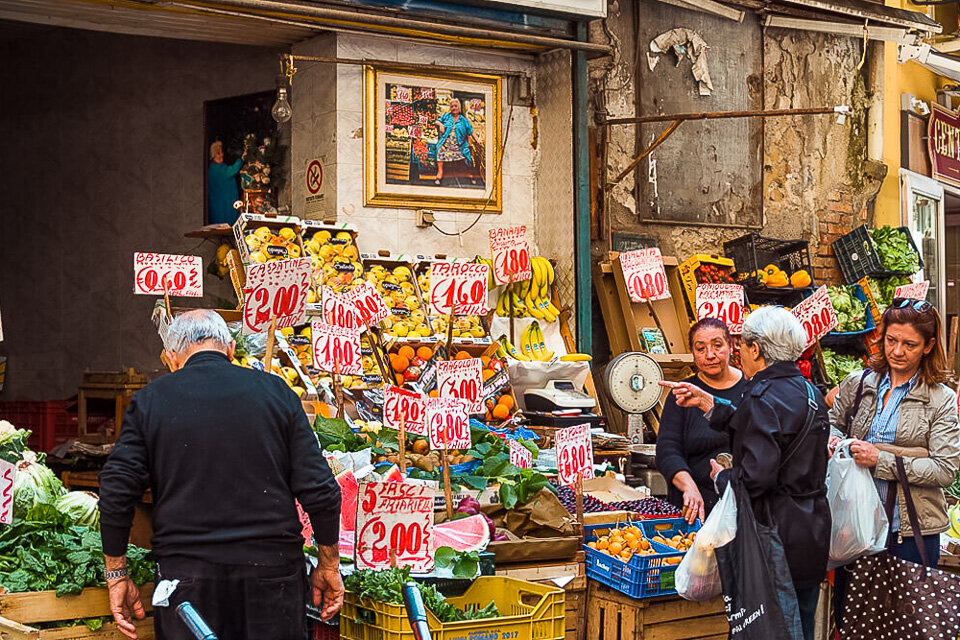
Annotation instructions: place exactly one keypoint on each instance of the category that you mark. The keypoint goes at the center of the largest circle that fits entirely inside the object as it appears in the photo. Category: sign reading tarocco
(943, 135)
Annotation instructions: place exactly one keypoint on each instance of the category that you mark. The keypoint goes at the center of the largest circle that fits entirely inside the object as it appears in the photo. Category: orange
(407, 352)
(487, 374)
(399, 379)
(425, 353)
(433, 393)
(462, 355)
(602, 543)
(615, 548)
(592, 545)
(506, 400)
(501, 412)
(485, 360)
(400, 363)
(630, 539)
(625, 555)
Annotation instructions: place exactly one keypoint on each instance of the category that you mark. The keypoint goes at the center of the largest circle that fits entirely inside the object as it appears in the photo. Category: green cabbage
(34, 484)
(81, 507)
(839, 366)
(851, 312)
(896, 252)
(13, 441)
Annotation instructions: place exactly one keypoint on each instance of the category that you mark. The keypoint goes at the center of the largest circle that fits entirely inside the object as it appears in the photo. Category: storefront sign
(369, 303)
(915, 291)
(276, 289)
(817, 315)
(339, 311)
(592, 8)
(463, 380)
(511, 254)
(182, 274)
(7, 471)
(448, 424)
(723, 302)
(644, 274)
(336, 349)
(407, 405)
(460, 285)
(520, 456)
(395, 526)
(574, 454)
(943, 139)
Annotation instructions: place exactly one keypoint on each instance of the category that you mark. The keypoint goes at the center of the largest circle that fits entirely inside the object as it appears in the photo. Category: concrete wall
(104, 156)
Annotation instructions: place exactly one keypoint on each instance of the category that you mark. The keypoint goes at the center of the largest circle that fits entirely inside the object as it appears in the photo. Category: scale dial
(633, 381)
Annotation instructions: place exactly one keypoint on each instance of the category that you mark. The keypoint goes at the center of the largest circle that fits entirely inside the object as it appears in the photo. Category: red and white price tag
(723, 302)
(817, 315)
(183, 274)
(463, 380)
(395, 526)
(369, 303)
(448, 424)
(7, 471)
(511, 254)
(574, 453)
(520, 456)
(644, 274)
(461, 285)
(335, 347)
(339, 311)
(411, 406)
(914, 291)
(277, 288)
(306, 529)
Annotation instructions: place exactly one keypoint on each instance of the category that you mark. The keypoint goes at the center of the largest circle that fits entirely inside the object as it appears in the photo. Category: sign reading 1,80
(336, 349)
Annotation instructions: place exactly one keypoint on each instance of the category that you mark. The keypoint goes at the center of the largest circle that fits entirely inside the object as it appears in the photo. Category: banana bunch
(533, 344)
(531, 298)
(491, 281)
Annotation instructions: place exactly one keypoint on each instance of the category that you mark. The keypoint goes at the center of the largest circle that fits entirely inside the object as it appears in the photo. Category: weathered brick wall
(835, 219)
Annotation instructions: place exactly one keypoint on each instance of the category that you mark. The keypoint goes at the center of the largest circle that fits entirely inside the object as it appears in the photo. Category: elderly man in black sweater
(225, 451)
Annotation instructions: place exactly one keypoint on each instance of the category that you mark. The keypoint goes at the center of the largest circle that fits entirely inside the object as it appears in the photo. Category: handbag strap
(855, 407)
(812, 407)
(911, 510)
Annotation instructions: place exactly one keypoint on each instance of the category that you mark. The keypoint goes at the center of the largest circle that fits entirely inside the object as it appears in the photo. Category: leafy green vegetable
(953, 490)
(386, 586)
(34, 484)
(81, 507)
(465, 564)
(851, 312)
(883, 289)
(839, 366)
(336, 435)
(13, 442)
(896, 253)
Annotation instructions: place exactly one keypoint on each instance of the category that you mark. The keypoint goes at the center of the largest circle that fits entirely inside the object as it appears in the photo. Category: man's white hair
(777, 332)
(196, 327)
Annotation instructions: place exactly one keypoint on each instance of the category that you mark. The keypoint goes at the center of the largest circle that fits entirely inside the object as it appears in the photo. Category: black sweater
(225, 450)
(686, 442)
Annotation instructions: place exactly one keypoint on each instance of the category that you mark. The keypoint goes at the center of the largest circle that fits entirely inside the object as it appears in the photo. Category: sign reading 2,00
(394, 526)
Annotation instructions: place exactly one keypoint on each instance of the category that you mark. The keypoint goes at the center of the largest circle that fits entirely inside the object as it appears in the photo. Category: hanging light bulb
(281, 111)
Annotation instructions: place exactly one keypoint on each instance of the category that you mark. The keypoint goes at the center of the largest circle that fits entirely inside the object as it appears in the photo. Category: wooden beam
(708, 6)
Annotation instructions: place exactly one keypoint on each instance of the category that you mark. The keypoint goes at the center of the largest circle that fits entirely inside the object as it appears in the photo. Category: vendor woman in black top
(685, 442)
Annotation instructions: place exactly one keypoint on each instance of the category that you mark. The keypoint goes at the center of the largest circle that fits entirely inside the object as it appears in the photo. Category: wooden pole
(376, 345)
(337, 389)
(579, 495)
(513, 340)
(402, 445)
(166, 298)
(450, 320)
(447, 497)
(656, 318)
(271, 340)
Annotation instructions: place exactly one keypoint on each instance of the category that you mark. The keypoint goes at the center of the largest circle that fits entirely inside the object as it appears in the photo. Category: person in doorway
(763, 426)
(454, 142)
(685, 441)
(902, 401)
(222, 190)
(225, 452)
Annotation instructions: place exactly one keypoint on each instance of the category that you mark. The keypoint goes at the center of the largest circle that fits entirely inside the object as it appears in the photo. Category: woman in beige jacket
(901, 402)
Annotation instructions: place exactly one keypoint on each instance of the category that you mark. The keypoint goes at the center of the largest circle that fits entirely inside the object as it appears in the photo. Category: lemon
(477, 333)
(351, 252)
(411, 302)
(400, 330)
(425, 332)
(263, 233)
(287, 233)
(311, 297)
(293, 251)
(321, 236)
(402, 272)
(306, 331)
(252, 241)
(259, 256)
(286, 331)
(344, 235)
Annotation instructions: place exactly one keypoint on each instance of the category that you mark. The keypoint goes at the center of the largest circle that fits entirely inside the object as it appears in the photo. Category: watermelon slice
(465, 534)
(349, 492)
(393, 474)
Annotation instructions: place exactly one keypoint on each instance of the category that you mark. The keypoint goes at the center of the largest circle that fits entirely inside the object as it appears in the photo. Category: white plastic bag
(697, 577)
(859, 519)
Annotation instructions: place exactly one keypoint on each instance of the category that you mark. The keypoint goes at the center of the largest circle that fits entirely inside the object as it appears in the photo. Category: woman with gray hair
(780, 456)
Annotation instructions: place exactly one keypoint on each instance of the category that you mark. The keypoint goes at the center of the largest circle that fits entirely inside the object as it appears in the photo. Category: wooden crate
(575, 591)
(20, 610)
(614, 616)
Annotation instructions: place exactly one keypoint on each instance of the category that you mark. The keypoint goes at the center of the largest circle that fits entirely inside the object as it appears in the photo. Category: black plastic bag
(761, 602)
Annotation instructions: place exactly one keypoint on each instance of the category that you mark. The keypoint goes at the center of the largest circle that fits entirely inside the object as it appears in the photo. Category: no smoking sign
(314, 177)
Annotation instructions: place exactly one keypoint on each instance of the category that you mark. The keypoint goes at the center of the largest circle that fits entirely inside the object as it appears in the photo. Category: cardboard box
(248, 223)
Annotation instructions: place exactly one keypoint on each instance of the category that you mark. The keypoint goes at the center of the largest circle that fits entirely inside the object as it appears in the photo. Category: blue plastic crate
(871, 325)
(667, 527)
(643, 576)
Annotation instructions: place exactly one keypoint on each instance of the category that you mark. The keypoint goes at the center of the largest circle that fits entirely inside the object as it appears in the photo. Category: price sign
(277, 288)
(7, 471)
(463, 380)
(183, 274)
(817, 315)
(915, 291)
(644, 274)
(339, 311)
(306, 529)
(369, 303)
(461, 285)
(723, 302)
(574, 453)
(511, 254)
(409, 405)
(520, 456)
(335, 347)
(395, 525)
(447, 423)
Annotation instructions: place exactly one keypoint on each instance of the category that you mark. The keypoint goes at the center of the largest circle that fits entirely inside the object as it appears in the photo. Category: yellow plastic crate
(528, 611)
(688, 275)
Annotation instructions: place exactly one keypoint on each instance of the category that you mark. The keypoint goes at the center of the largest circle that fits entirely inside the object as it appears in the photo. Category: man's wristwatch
(115, 574)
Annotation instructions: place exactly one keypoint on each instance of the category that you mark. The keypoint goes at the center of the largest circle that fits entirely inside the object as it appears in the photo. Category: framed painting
(431, 140)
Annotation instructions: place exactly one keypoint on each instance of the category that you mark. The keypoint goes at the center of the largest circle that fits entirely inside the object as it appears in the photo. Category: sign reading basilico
(943, 135)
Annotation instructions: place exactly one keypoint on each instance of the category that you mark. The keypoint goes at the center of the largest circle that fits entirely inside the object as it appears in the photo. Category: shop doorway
(951, 206)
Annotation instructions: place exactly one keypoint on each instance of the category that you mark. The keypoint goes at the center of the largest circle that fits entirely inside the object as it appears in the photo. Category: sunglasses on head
(917, 305)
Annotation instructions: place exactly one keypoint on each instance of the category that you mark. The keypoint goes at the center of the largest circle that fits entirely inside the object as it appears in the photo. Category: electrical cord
(503, 146)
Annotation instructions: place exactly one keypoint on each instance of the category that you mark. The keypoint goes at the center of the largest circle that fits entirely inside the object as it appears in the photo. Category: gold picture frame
(418, 153)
